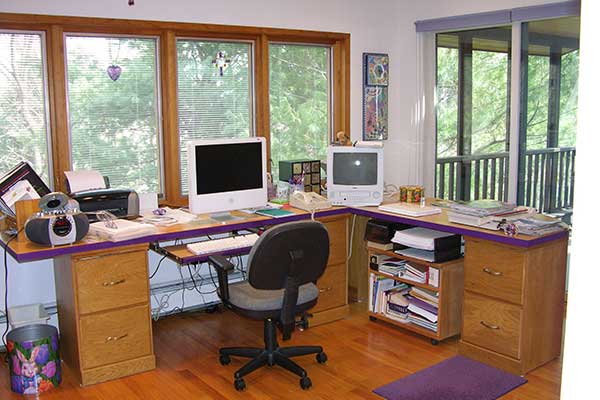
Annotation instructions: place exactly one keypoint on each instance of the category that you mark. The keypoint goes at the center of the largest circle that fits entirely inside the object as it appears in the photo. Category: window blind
(23, 102)
(214, 93)
(113, 109)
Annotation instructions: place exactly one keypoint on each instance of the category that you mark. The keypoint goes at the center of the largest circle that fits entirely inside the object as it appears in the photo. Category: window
(214, 93)
(113, 109)
(300, 102)
(23, 102)
(473, 69)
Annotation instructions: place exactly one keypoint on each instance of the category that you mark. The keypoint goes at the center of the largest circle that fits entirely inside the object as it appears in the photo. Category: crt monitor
(226, 174)
(355, 175)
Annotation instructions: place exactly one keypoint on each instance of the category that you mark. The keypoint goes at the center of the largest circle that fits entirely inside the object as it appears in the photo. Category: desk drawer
(109, 281)
(337, 240)
(115, 336)
(491, 324)
(494, 270)
(332, 288)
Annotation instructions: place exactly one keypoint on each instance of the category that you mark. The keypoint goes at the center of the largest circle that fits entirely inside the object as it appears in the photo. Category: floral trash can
(34, 359)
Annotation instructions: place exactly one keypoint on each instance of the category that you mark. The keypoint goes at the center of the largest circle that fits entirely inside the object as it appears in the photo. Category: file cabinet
(513, 307)
(333, 284)
(104, 313)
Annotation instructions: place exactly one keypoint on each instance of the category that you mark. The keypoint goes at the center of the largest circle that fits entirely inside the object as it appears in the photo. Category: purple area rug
(457, 378)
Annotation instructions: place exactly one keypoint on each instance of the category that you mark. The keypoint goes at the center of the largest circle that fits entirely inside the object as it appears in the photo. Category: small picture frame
(376, 68)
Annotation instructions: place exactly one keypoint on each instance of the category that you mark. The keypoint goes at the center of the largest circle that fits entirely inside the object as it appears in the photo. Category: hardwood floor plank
(362, 355)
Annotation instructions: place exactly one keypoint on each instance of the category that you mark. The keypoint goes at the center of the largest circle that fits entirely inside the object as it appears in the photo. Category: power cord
(6, 288)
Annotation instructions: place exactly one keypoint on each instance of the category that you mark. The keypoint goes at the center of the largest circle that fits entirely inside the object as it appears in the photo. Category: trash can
(34, 358)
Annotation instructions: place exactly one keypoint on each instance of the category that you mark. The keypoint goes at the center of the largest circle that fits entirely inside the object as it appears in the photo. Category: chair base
(270, 355)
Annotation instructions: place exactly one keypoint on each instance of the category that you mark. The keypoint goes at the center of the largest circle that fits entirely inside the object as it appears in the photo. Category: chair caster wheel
(305, 383)
(372, 318)
(321, 358)
(435, 342)
(224, 359)
(239, 384)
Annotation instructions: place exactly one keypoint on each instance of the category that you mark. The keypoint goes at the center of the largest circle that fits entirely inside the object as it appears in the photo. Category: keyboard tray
(181, 255)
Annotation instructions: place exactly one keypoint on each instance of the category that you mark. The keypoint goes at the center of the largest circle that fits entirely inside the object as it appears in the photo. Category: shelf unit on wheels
(449, 290)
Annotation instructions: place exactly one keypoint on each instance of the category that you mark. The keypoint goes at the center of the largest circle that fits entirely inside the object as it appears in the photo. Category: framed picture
(375, 113)
(377, 68)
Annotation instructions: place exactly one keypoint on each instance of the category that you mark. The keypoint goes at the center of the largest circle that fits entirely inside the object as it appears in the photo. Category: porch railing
(547, 178)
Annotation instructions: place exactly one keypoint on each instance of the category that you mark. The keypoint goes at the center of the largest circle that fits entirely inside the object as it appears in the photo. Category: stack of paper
(121, 229)
(482, 208)
(419, 238)
(538, 225)
(392, 266)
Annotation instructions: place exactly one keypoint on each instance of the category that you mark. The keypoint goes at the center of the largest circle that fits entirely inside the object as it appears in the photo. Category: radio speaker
(58, 229)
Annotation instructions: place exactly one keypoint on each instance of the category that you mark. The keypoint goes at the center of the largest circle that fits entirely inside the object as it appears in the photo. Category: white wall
(382, 26)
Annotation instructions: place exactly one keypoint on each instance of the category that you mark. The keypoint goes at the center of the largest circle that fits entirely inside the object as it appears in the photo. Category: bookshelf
(449, 291)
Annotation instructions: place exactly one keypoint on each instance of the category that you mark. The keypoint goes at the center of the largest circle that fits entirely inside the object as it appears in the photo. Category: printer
(123, 203)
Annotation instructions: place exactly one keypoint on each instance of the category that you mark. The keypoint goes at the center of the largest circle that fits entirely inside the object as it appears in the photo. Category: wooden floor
(362, 356)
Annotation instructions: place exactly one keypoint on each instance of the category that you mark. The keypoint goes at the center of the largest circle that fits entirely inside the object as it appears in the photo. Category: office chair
(283, 265)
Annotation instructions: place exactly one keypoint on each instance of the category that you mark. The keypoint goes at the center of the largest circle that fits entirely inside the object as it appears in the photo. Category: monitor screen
(227, 174)
(355, 169)
(228, 167)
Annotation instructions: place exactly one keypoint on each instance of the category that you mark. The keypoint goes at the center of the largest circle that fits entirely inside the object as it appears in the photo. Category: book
(381, 246)
(412, 210)
(275, 212)
(434, 277)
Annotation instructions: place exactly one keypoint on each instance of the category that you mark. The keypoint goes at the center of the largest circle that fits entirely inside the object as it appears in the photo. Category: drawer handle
(492, 272)
(327, 289)
(115, 338)
(114, 283)
(105, 255)
(489, 326)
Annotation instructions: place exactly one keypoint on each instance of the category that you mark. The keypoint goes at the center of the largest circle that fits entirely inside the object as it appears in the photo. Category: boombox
(59, 222)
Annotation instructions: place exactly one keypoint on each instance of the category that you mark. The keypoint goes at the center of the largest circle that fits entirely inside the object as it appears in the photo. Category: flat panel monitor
(227, 174)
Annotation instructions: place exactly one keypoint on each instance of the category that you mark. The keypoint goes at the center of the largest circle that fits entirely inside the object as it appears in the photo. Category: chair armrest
(223, 267)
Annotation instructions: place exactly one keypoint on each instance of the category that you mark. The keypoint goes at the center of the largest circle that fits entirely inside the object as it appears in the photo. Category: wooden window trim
(56, 26)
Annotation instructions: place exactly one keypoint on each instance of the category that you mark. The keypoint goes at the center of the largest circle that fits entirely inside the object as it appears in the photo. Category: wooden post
(23, 210)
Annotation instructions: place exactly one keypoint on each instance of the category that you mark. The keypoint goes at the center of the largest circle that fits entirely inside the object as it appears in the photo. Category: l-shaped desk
(516, 284)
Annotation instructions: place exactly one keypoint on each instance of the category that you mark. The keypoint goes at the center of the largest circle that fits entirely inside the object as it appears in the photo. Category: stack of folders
(428, 244)
(422, 313)
(392, 266)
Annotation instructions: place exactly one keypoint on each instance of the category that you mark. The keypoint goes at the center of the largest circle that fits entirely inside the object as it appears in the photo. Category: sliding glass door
(550, 65)
(474, 157)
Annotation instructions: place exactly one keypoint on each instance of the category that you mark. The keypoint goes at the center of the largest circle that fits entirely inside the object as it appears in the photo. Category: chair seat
(244, 296)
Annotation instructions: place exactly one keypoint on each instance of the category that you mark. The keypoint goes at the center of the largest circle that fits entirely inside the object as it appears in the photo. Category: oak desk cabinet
(513, 307)
(104, 313)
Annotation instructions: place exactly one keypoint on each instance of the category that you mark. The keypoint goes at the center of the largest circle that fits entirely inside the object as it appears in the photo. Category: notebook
(275, 212)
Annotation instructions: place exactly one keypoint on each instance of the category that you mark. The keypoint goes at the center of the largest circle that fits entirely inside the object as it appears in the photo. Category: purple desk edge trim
(161, 237)
(462, 231)
(59, 251)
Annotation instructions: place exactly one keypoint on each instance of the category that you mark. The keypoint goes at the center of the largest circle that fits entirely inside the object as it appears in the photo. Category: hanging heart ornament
(114, 72)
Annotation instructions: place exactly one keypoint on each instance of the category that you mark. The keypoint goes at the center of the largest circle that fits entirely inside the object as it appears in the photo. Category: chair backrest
(292, 253)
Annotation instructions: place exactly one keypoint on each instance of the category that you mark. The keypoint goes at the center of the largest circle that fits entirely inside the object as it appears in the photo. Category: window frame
(330, 90)
(46, 88)
(159, 117)
(251, 81)
(55, 28)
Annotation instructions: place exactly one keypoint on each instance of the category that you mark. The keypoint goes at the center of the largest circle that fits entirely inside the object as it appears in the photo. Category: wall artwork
(375, 113)
(375, 96)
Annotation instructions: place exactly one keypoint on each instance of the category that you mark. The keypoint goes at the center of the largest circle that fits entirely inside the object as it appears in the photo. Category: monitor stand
(224, 217)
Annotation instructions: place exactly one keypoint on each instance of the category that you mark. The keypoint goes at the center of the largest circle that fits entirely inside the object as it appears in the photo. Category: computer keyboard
(217, 245)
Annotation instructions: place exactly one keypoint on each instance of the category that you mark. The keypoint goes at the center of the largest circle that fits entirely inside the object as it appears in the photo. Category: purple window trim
(500, 17)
